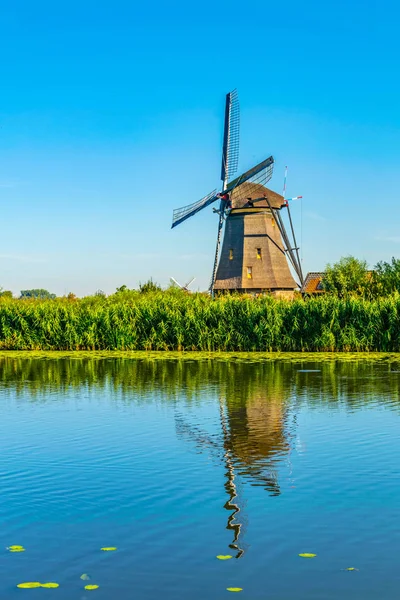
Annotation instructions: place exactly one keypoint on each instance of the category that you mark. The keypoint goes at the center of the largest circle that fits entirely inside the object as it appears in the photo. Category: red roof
(313, 283)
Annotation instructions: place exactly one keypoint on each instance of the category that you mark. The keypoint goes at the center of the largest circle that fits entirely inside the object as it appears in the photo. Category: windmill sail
(259, 174)
(183, 213)
(186, 286)
(230, 148)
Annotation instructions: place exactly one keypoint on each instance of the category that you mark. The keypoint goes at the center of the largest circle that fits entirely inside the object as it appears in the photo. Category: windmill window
(249, 273)
(231, 254)
(259, 253)
(273, 222)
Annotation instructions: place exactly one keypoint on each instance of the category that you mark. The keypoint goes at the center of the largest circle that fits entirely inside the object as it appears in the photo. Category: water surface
(175, 462)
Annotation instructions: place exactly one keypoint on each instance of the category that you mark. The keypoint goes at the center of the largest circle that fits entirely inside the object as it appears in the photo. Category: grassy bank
(177, 321)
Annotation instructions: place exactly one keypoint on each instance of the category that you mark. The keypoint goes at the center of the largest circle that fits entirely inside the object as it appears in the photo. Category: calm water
(176, 462)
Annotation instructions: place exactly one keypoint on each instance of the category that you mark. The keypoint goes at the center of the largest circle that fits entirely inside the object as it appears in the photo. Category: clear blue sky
(111, 116)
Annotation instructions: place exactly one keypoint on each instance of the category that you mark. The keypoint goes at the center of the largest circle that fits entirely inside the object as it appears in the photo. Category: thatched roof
(255, 190)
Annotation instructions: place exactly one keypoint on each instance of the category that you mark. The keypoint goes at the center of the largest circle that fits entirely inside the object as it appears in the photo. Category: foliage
(386, 279)
(149, 286)
(121, 289)
(349, 276)
(5, 293)
(173, 320)
(37, 293)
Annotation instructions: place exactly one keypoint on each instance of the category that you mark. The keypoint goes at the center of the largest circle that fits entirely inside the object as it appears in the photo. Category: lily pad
(224, 556)
(85, 577)
(233, 589)
(50, 585)
(29, 584)
(307, 555)
(16, 548)
(109, 549)
(351, 569)
(91, 587)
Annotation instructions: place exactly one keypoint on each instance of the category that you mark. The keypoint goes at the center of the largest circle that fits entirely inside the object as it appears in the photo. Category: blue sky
(111, 116)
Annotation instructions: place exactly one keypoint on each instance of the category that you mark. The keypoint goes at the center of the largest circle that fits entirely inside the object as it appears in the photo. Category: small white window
(231, 254)
(249, 273)
(258, 252)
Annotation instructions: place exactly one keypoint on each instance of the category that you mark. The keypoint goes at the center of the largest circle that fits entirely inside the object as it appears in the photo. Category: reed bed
(194, 322)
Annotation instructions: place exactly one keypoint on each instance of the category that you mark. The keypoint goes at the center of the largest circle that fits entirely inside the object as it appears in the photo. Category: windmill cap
(249, 191)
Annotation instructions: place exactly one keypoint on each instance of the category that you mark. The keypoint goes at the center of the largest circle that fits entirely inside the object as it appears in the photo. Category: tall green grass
(178, 321)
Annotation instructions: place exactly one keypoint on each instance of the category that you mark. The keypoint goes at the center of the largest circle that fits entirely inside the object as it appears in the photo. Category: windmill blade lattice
(185, 212)
(230, 148)
(243, 186)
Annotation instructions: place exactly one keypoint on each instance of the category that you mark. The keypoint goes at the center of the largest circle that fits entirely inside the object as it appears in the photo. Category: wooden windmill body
(252, 257)
(256, 247)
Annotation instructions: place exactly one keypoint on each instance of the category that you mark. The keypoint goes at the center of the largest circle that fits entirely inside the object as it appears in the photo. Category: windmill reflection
(253, 436)
(230, 488)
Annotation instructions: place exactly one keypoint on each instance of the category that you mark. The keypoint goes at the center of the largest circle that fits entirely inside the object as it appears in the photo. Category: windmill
(183, 287)
(256, 249)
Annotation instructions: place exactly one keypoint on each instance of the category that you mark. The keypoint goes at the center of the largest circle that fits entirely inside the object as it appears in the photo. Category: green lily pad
(307, 555)
(234, 589)
(224, 556)
(16, 548)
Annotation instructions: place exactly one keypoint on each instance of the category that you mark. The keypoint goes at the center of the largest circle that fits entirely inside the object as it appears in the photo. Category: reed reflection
(350, 382)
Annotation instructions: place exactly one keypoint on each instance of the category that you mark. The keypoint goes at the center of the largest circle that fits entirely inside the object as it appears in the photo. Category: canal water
(176, 462)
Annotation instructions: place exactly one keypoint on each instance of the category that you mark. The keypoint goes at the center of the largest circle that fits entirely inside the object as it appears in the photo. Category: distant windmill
(256, 245)
(183, 287)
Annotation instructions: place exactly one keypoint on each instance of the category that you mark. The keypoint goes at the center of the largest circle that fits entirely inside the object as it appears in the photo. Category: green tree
(149, 286)
(386, 279)
(121, 289)
(349, 276)
(5, 293)
(37, 293)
